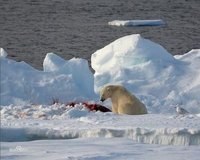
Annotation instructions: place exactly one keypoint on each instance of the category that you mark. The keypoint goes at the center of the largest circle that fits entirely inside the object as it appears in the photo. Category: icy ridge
(31, 122)
(164, 136)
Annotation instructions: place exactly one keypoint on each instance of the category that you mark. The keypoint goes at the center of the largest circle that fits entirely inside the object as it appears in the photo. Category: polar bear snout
(102, 99)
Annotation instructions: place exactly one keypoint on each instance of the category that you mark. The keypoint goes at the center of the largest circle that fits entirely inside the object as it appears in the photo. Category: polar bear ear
(108, 89)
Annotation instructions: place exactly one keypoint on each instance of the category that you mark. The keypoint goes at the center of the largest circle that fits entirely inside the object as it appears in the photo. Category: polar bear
(123, 102)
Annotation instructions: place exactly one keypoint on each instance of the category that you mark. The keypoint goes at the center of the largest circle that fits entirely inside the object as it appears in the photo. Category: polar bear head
(105, 92)
(109, 91)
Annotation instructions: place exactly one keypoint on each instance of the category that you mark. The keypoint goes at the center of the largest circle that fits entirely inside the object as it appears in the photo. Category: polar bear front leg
(127, 108)
(114, 108)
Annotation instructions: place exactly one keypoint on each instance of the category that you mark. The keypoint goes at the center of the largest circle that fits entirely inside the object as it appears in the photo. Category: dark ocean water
(77, 28)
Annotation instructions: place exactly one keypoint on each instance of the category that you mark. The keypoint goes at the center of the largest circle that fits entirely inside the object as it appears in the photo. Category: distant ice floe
(135, 23)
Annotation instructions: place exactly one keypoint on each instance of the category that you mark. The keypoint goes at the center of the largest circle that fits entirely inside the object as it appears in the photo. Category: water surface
(77, 28)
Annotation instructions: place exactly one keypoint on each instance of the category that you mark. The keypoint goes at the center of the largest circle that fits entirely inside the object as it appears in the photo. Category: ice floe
(33, 102)
(58, 121)
(135, 23)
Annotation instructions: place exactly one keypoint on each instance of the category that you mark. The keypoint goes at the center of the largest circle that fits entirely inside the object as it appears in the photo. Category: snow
(95, 149)
(132, 23)
(146, 69)
(36, 121)
(58, 121)
(63, 132)
(61, 80)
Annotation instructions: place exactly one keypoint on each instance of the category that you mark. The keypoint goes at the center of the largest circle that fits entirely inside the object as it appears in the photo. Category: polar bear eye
(108, 92)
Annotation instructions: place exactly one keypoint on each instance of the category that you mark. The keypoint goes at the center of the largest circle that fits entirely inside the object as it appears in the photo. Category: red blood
(96, 107)
(91, 107)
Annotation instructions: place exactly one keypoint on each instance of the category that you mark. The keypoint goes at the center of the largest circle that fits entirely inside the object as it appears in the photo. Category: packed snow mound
(129, 51)
(147, 70)
(134, 23)
(76, 67)
(61, 80)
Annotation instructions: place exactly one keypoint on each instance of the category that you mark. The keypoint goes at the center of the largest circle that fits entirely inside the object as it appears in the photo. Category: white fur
(123, 102)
